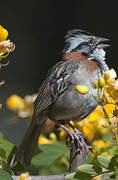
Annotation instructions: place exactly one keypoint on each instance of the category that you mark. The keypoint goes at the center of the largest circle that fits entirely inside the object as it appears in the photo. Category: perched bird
(82, 63)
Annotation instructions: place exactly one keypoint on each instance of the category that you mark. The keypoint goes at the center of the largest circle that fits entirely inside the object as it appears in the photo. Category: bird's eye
(90, 42)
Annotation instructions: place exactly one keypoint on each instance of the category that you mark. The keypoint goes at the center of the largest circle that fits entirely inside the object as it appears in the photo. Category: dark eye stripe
(80, 46)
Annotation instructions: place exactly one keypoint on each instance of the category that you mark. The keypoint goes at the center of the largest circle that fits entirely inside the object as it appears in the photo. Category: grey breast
(72, 104)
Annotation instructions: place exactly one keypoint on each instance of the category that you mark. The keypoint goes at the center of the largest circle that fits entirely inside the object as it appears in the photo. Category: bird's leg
(75, 138)
(81, 135)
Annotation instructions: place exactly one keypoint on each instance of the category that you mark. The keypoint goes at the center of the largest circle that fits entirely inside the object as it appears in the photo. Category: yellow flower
(116, 85)
(88, 131)
(93, 117)
(109, 108)
(43, 140)
(82, 89)
(110, 81)
(93, 125)
(6, 46)
(53, 137)
(15, 103)
(110, 74)
(62, 135)
(100, 144)
(3, 34)
(101, 82)
(111, 94)
(24, 176)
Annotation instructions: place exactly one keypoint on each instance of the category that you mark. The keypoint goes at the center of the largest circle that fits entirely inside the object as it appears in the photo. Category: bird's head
(83, 42)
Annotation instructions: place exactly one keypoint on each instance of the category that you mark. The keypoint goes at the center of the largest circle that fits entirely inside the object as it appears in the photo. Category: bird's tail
(28, 144)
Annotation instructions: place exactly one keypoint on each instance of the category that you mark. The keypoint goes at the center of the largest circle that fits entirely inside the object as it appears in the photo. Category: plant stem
(114, 131)
(102, 173)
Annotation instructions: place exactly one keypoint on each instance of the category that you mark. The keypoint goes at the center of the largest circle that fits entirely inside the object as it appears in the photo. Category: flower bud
(110, 74)
(101, 82)
(96, 83)
(82, 89)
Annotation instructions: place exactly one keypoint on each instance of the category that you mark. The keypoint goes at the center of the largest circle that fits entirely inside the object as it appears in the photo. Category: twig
(77, 159)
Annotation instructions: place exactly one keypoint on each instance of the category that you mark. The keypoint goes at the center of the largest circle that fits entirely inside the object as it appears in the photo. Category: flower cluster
(6, 46)
(23, 107)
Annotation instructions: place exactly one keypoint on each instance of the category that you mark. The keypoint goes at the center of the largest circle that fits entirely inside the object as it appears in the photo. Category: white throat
(99, 55)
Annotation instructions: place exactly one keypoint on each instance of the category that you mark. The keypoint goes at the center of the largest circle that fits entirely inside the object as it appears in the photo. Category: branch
(78, 154)
(51, 177)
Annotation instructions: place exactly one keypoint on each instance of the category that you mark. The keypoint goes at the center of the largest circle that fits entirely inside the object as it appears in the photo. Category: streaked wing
(56, 83)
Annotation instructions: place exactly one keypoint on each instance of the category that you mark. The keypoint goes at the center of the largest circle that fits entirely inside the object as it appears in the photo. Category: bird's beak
(101, 42)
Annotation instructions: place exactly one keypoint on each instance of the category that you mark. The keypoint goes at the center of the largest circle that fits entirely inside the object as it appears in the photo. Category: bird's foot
(76, 139)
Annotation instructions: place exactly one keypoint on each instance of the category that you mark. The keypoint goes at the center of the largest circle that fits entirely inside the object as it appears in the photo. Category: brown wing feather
(56, 83)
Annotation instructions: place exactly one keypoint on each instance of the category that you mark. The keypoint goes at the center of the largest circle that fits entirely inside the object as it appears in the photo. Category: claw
(75, 139)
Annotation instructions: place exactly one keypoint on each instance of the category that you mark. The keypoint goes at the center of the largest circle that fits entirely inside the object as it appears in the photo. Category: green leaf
(88, 159)
(82, 175)
(6, 167)
(6, 146)
(113, 163)
(4, 175)
(113, 150)
(103, 161)
(57, 168)
(116, 171)
(45, 158)
(50, 152)
(2, 153)
(70, 176)
(108, 138)
(56, 147)
(90, 169)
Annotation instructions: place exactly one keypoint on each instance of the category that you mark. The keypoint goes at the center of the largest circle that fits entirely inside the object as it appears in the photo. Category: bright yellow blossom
(6, 46)
(3, 34)
(24, 176)
(43, 140)
(89, 131)
(62, 135)
(94, 124)
(109, 108)
(93, 117)
(15, 103)
(22, 106)
(100, 144)
(110, 74)
(111, 94)
(53, 137)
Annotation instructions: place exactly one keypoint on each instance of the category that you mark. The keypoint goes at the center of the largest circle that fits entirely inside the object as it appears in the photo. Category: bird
(83, 61)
